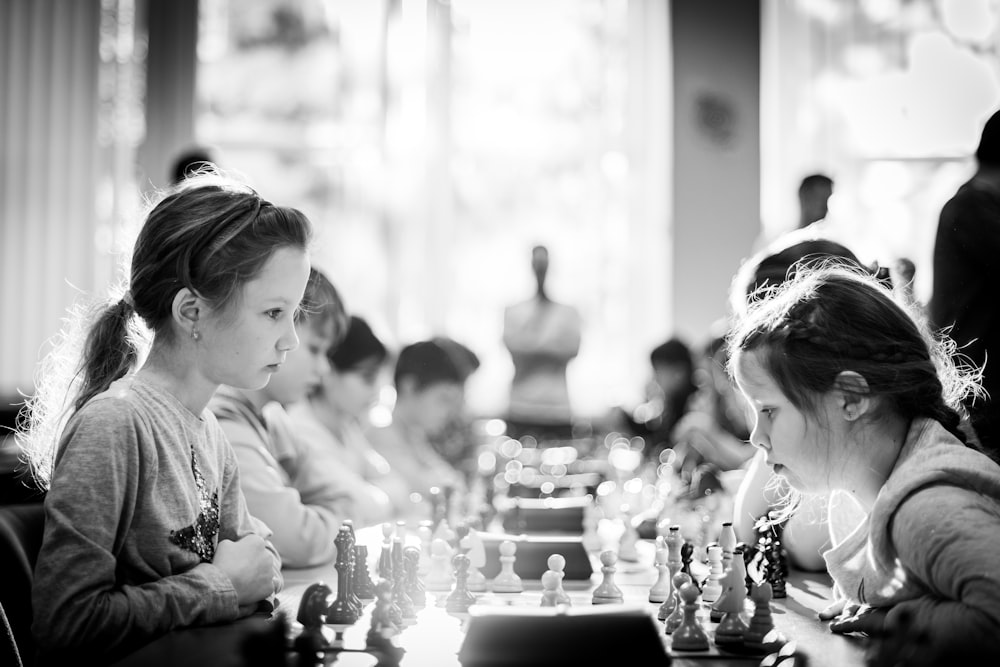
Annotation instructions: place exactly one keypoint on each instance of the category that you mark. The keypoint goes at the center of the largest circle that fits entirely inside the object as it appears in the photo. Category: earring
(195, 335)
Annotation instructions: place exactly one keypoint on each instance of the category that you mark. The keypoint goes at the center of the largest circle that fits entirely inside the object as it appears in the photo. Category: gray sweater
(142, 492)
(929, 547)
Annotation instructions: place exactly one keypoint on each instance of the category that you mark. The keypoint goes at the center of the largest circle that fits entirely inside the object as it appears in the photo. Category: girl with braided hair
(851, 393)
(146, 529)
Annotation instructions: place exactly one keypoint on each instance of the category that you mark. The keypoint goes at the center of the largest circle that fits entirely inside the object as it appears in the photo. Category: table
(436, 636)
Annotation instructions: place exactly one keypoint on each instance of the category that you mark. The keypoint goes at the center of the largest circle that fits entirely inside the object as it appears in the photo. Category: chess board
(436, 636)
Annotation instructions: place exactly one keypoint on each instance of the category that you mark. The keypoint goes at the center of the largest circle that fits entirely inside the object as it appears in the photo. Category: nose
(759, 437)
(289, 339)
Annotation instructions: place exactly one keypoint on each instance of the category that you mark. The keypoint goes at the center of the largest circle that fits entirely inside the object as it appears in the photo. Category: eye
(274, 313)
(767, 412)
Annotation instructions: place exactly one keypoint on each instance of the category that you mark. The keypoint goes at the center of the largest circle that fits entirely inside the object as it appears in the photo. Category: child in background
(851, 393)
(287, 484)
(334, 415)
(428, 386)
(146, 529)
(456, 442)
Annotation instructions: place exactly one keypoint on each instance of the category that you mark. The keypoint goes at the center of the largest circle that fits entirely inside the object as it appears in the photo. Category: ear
(853, 399)
(187, 309)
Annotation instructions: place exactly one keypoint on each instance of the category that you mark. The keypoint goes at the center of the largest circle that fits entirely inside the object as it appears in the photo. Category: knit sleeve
(303, 534)
(948, 538)
(84, 603)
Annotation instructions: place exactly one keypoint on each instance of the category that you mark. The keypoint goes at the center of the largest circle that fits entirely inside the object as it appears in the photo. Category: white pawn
(550, 589)
(477, 580)
(426, 536)
(440, 577)
(557, 563)
(713, 587)
(660, 590)
(607, 591)
(507, 581)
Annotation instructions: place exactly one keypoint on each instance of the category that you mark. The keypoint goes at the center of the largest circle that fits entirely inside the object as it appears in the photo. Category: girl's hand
(249, 566)
(864, 619)
(833, 610)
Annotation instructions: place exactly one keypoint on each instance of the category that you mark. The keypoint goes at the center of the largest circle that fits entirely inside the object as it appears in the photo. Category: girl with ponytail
(146, 529)
(851, 393)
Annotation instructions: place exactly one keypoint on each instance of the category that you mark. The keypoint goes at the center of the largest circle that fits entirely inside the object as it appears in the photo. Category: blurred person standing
(542, 336)
(965, 298)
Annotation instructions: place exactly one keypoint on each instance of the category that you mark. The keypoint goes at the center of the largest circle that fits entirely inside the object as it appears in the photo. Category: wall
(716, 173)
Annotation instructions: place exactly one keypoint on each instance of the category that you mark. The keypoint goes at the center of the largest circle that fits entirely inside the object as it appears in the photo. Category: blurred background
(651, 145)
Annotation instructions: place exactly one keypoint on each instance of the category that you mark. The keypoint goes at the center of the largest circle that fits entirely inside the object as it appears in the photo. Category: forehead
(751, 376)
(281, 279)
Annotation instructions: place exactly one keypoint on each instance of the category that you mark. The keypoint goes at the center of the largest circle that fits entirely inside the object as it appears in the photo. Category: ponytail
(109, 351)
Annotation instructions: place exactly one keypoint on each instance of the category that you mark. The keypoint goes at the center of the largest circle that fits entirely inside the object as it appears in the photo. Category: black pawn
(460, 599)
(364, 587)
(687, 555)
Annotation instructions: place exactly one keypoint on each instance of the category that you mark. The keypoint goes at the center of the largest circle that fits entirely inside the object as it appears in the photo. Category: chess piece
(507, 580)
(660, 590)
(734, 591)
(342, 610)
(414, 587)
(674, 542)
(460, 598)
(727, 540)
(713, 586)
(777, 556)
(607, 591)
(671, 622)
(461, 544)
(550, 588)
(476, 551)
(426, 534)
(689, 635)
(399, 595)
(384, 569)
(557, 564)
(761, 623)
(440, 578)
(364, 587)
(627, 549)
(352, 596)
(313, 605)
(382, 625)
(687, 555)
